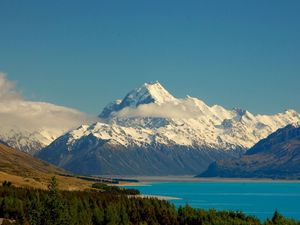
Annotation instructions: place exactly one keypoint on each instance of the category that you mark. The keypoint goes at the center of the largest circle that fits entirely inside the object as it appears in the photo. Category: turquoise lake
(259, 199)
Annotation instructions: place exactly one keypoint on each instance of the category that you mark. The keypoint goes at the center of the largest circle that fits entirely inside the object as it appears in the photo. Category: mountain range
(277, 157)
(151, 132)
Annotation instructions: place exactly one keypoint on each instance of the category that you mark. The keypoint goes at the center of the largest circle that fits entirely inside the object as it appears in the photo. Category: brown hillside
(23, 169)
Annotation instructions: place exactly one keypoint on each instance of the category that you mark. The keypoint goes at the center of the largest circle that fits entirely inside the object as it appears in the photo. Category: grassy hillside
(23, 169)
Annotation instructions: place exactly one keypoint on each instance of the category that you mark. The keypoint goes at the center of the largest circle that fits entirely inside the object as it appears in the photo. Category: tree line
(97, 207)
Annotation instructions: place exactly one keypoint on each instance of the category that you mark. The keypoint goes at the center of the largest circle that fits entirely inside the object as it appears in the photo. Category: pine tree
(35, 209)
(54, 212)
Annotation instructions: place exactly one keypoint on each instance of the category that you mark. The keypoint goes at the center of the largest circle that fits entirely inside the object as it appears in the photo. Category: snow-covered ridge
(295, 124)
(150, 115)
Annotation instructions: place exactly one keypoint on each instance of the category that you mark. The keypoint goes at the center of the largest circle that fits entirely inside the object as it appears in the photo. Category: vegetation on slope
(115, 190)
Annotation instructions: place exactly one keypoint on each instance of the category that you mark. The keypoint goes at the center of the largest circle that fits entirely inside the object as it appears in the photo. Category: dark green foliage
(279, 219)
(115, 189)
(99, 186)
(188, 215)
(35, 208)
(38, 207)
(54, 209)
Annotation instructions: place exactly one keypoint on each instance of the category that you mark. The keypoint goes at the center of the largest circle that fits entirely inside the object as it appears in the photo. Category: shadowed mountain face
(277, 156)
(93, 157)
(150, 132)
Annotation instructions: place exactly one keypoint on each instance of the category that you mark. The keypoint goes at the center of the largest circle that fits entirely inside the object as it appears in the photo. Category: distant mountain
(277, 156)
(150, 132)
(30, 126)
(4, 143)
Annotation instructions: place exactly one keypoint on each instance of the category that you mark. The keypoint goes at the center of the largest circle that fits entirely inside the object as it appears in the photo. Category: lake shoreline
(147, 180)
(160, 197)
(259, 197)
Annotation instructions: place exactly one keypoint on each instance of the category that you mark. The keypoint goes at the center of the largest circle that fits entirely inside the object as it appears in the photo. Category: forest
(106, 205)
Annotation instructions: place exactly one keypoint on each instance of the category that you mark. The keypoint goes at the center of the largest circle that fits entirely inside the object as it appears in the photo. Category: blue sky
(84, 54)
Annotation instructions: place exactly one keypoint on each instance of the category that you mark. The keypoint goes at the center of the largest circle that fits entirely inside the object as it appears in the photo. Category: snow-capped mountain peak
(148, 93)
(158, 92)
(155, 131)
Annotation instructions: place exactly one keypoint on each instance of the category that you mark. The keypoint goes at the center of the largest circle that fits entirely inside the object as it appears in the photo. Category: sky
(85, 54)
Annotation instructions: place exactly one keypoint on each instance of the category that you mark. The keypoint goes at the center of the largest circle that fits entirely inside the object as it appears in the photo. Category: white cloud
(8, 90)
(185, 108)
(15, 112)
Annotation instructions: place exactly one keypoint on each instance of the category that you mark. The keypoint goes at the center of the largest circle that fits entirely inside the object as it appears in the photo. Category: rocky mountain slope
(152, 132)
(277, 156)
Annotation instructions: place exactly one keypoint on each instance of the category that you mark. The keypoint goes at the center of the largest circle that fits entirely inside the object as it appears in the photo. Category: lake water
(259, 199)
